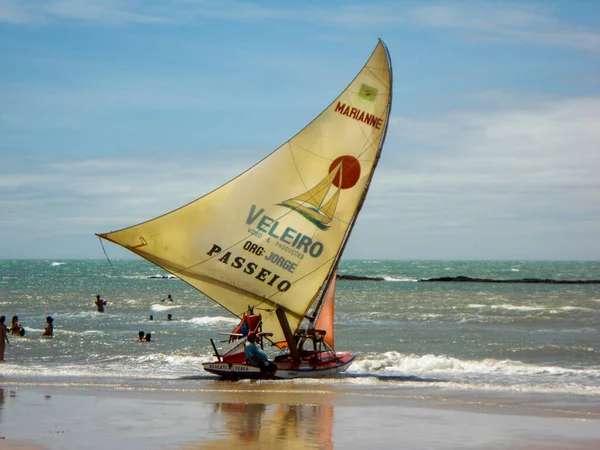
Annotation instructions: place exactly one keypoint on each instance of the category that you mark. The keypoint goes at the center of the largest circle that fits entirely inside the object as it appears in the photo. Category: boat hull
(322, 366)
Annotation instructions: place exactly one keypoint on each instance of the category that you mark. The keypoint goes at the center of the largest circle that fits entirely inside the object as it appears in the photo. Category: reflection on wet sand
(261, 426)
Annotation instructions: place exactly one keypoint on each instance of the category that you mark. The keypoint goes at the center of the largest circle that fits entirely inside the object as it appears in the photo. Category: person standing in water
(16, 327)
(49, 330)
(3, 337)
(100, 303)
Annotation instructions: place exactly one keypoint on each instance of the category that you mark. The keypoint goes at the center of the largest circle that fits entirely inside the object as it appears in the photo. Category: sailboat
(266, 245)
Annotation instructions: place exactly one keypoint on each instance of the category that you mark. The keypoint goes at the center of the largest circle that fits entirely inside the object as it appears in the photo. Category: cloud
(99, 193)
(534, 150)
(482, 16)
(499, 174)
(66, 104)
(59, 202)
(117, 12)
(508, 22)
(41, 11)
(504, 182)
(516, 181)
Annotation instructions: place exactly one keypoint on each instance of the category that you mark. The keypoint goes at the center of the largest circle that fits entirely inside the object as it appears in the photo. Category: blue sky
(113, 112)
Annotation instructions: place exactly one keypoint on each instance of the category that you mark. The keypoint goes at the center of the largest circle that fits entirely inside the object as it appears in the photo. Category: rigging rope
(105, 254)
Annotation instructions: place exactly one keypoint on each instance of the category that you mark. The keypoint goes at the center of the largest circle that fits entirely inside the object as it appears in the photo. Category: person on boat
(100, 303)
(49, 330)
(3, 337)
(16, 327)
(141, 336)
(148, 337)
(245, 328)
(255, 356)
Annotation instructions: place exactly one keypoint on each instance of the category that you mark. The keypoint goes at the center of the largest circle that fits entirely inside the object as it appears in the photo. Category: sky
(114, 112)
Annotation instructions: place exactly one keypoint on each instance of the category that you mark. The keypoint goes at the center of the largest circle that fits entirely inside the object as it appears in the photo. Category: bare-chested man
(3, 337)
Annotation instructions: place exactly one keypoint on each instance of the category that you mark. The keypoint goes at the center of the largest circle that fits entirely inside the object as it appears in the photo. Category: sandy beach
(207, 414)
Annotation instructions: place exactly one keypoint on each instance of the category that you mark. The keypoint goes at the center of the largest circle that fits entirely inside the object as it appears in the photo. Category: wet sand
(208, 414)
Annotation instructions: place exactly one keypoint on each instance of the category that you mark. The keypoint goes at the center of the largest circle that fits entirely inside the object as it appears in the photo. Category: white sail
(267, 239)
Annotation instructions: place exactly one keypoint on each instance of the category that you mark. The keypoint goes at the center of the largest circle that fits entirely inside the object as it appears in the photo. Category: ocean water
(479, 336)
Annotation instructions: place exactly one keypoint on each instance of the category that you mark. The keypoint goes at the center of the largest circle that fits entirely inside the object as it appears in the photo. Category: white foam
(87, 314)
(395, 362)
(161, 307)
(211, 321)
(186, 360)
(396, 279)
(58, 263)
(518, 307)
(133, 277)
(575, 308)
(508, 307)
(29, 329)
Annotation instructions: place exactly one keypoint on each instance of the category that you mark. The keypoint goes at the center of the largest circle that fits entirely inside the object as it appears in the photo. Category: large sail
(270, 238)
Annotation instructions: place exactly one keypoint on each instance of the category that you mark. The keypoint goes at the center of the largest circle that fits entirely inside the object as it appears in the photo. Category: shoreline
(205, 413)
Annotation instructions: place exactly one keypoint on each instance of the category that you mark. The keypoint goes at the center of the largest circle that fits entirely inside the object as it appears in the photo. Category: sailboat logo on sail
(318, 204)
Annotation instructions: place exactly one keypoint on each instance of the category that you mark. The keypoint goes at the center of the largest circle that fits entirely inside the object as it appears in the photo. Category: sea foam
(212, 321)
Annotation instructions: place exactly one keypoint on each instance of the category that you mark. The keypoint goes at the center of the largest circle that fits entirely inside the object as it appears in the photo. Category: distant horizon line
(343, 259)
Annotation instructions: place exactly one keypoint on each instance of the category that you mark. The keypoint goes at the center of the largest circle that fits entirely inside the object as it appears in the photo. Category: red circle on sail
(350, 171)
